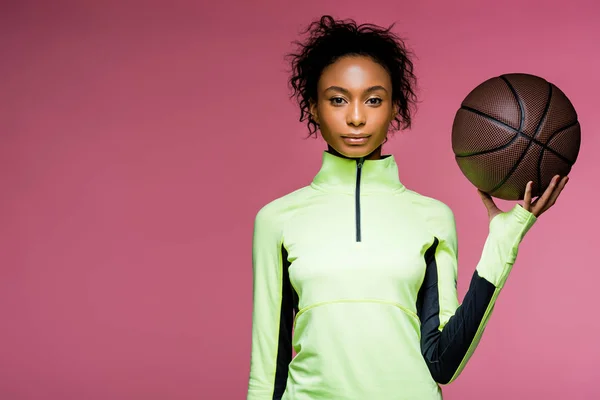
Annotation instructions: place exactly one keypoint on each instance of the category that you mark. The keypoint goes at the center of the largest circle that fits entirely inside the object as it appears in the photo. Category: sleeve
(450, 331)
(272, 310)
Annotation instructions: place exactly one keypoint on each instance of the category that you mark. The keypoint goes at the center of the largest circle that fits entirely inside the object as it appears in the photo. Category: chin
(354, 151)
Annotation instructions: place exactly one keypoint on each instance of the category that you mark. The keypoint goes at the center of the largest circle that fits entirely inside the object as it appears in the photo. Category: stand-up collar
(339, 174)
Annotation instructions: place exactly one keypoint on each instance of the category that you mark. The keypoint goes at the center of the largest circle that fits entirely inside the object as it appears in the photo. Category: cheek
(381, 120)
(332, 118)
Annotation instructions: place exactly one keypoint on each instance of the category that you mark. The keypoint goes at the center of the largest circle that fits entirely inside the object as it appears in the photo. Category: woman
(360, 268)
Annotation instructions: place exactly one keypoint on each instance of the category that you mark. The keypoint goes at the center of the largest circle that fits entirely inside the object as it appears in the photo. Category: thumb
(488, 202)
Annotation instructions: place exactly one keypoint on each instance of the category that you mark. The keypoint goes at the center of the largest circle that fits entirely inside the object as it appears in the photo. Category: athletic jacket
(363, 272)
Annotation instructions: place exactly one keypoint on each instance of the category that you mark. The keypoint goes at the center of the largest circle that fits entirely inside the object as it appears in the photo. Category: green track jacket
(357, 274)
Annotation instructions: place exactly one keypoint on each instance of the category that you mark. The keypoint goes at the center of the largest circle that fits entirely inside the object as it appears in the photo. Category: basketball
(513, 129)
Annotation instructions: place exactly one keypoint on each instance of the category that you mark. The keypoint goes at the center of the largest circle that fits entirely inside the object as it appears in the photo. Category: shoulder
(429, 205)
(278, 210)
(436, 215)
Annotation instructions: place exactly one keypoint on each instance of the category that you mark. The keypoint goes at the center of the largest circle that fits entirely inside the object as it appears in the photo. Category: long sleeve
(450, 332)
(273, 310)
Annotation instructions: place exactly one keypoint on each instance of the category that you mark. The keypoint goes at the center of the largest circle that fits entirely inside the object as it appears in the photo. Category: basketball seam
(544, 114)
(536, 133)
(517, 134)
(518, 100)
(547, 147)
(556, 132)
(493, 120)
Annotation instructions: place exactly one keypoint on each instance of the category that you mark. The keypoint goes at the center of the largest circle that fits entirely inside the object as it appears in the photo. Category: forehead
(354, 72)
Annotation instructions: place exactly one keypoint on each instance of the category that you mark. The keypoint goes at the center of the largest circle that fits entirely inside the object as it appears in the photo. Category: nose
(356, 115)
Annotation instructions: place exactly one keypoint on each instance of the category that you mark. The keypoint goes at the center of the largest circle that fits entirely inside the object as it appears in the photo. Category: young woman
(361, 269)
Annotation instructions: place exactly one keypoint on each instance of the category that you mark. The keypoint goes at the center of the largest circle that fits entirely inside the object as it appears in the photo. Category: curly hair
(331, 39)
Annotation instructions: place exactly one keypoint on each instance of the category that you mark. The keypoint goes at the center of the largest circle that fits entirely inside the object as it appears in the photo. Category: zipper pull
(359, 162)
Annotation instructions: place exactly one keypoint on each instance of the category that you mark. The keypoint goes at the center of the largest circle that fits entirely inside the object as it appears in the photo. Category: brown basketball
(513, 129)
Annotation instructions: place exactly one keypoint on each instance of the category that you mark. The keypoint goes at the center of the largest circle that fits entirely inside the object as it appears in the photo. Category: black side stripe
(428, 302)
(444, 351)
(289, 306)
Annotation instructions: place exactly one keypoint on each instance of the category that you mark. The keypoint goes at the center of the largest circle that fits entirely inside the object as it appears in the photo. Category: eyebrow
(346, 91)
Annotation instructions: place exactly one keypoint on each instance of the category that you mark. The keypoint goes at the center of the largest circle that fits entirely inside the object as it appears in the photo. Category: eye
(336, 101)
(374, 101)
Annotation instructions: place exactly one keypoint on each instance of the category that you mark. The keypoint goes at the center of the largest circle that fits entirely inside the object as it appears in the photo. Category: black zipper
(359, 164)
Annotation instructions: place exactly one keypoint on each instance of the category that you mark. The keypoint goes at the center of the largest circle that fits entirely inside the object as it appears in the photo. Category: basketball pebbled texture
(512, 129)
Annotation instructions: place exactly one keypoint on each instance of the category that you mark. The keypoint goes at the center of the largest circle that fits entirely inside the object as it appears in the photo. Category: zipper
(359, 164)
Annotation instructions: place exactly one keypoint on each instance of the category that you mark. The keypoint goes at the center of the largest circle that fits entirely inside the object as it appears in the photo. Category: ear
(312, 108)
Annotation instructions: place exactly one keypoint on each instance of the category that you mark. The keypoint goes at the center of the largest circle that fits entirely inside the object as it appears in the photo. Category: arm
(450, 332)
(272, 314)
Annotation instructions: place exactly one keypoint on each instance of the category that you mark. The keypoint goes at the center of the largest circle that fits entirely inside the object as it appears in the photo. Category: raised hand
(538, 206)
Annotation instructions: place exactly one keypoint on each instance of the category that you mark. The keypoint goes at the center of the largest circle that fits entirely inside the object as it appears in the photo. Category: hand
(538, 206)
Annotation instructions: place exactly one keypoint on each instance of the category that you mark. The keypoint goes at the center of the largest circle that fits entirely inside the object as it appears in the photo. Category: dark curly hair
(332, 39)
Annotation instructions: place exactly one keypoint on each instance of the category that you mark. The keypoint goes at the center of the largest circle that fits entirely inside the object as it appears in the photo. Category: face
(354, 107)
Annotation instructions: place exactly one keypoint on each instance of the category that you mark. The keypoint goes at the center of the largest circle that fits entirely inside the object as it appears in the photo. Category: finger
(541, 202)
(488, 201)
(556, 193)
(527, 199)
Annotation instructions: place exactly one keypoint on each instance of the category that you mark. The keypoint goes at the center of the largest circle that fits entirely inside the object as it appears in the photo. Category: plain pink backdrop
(139, 139)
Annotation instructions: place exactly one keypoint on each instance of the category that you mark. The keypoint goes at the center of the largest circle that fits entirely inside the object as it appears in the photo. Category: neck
(339, 174)
(374, 155)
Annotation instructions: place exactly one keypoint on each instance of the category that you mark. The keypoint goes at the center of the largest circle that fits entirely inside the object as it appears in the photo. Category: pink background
(138, 140)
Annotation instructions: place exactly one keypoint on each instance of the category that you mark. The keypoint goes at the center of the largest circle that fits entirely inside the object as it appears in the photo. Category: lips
(355, 139)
